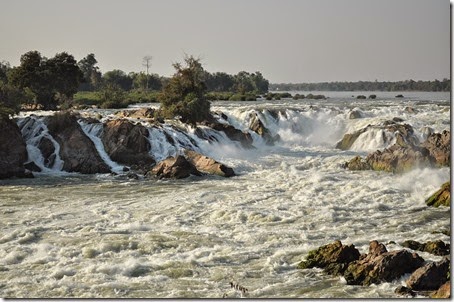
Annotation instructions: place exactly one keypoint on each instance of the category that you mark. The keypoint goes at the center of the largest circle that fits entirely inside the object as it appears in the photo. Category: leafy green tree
(140, 81)
(119, 78)
(184, 95)
(11, 99)
(50, 80)
(112, 96)
(261, 84)
(244, 82)
(92, 75)
(5, 67)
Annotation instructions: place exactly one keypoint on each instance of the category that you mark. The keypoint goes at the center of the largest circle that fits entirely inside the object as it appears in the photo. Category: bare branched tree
(146, 62)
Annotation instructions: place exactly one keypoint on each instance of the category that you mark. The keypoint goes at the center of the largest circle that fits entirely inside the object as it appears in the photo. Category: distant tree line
(408, 85)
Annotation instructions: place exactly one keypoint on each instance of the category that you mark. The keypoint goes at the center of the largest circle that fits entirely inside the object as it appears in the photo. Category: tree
(112, 96)
(50, 80)
(139, 81)
(11, 99)
(146, 62)
(5, 67)
(92, 75)
(184, 94)
(117, 77)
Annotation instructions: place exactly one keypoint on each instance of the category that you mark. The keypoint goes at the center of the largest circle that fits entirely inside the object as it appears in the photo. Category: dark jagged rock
(405, 291)
(127, 143)
(334, 257)
(48, 151)
(444, 292)
(439, 146)
(442, 197)
(381, 266)
(32, 167)
(231, 132)
(175, 167)
(76, 149)
(258, 127)
(208, 165)
(438, 247)
(429, 277)
(13, 151)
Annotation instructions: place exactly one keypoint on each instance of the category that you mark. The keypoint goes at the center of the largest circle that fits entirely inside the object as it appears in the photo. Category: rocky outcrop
(442, 197)
(405, 154)
(175, 167)
(141, 113)
(439, 146)
(404, 134)
(444, 292)
(13, 151)
(127, 143)
(244, 138)
(379, 265)
(192, 163)
(354, 114)
(208, 165)
(438, 247)
(333, 258)
(258, 127)
(76, 149)
(429, 277)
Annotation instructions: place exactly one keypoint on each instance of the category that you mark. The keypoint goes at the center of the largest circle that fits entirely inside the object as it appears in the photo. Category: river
(105, 236)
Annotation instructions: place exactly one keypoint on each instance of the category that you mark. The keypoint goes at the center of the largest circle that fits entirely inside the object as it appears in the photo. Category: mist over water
(72, 235)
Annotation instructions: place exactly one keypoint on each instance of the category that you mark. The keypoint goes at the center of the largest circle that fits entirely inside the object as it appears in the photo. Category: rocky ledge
(442, 197)
(379, 266)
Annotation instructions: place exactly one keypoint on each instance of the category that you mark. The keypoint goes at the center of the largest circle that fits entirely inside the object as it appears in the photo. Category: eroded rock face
(334, 257)
(175, 167)
(13, 151)
(127, 143)
(231, 132)
(381, 266)
(208, 165)
(439, 146)
(438, 247)
(76, 149)
(429, 277)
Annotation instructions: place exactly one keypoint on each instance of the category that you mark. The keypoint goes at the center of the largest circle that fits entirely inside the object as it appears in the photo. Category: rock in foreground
(442, 197)
(13, 151)
(430, 277)
(208, 165)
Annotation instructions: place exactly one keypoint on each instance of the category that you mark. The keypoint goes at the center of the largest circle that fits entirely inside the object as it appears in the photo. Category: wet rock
(354, 114)
(439, 146)
(442, 197)
(379, 265)
(13, 151)
(410, 110)
(444, 292)
(175, 167)
(127, 143)
(132, 175)
(347, 141)
(244, 138)
(76, 149)
(357, 163)
(48, 152)
(32, 167)
(334, 257)
(258, 127)
(438, 247)
(429, 277)
(405, 291)
(399, 159)
(208, 165)
(426, 132)
(141, 113)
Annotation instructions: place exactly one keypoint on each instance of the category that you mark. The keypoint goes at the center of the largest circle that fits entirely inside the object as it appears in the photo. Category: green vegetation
(408, 85)
(184, 95)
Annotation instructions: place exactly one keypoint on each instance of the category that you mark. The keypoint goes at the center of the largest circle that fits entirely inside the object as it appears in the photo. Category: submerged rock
(355, 114)
(442, 197)
(76, 150)
(127, 143)
(13, 151)
(379, 265)
(438, 247)
(430, 277)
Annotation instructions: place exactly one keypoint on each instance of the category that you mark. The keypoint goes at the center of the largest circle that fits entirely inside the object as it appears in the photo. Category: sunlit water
(69, 235)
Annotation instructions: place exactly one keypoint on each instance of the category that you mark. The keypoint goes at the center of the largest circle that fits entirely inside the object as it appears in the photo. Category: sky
(288, 41)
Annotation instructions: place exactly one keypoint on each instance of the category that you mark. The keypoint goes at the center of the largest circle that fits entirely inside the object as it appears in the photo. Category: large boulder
(442, 197)
(175, 167)
(333, 258)
(379, 265)
(76, 150)
(429, 277)
(439, 146)
(13, 150)
(208, 165)
(437, 247)
(127, 143)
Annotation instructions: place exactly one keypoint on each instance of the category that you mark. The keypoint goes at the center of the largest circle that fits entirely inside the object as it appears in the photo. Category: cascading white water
(33, 130)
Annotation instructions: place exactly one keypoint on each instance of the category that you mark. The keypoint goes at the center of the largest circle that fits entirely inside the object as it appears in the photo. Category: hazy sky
(287, 40)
